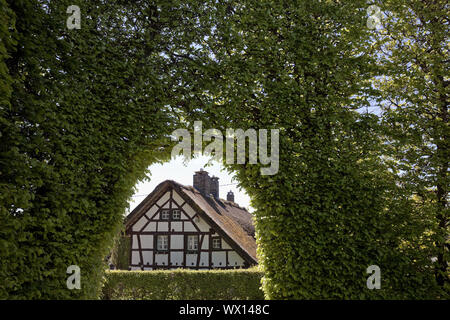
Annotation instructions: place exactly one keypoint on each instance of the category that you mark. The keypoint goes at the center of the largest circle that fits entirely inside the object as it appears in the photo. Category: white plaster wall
(187, 208)
(150, 227)
(176, 241)
(225, 245)
(146, 241)
(234, 259)
(140, 223)
(147, 256)
(191, 260)
(205, 244)
(167, 205)
(135, 242)
(177, 198)
(202, 225)
(176, 258)
(218, 259)
(163, 199)
(189, 227)
(151, 211)
(135, 258)
(204, 259)
(184, 217)
(163, 226)
(177, 226)
(161, 258)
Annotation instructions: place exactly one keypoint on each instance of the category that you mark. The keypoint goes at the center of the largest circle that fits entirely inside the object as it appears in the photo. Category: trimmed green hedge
(120, 254)
(240, 284)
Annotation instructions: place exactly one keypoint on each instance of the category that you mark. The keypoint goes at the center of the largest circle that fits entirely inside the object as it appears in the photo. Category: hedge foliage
(120, 255)
(239, 284)
(336, 206)
(415, 100)
(83, 113)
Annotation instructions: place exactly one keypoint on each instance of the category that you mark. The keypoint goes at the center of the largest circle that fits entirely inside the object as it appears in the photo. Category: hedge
(335, 207)
(83, 114)
(182, 284)
(72, 143)
(120, 254)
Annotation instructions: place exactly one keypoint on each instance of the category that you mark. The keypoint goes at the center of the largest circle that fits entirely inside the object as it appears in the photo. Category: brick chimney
(230, 196)
(202, 182)
(214, 187)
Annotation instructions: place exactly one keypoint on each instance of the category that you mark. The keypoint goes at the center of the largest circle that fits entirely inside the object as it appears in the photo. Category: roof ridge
(231, 203)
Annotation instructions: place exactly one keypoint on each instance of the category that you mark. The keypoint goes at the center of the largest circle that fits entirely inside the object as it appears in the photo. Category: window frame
(164, 211)
(173, 214)
(162, 236)
(215, 239)
(196, 241)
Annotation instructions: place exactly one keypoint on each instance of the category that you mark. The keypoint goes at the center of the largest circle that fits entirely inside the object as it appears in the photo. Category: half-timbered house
(179, 226)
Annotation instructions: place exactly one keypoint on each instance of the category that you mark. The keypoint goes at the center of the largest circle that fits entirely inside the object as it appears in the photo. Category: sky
(183, 173)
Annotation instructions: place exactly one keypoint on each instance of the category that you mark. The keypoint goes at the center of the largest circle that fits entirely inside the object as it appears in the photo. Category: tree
(334, 208)
(85, 112)
(413, 49)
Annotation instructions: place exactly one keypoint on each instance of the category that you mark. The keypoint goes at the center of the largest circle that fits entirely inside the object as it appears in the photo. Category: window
(162, 243)
(165, 215)
(192, 243)
(216, 243)
(176, 215)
